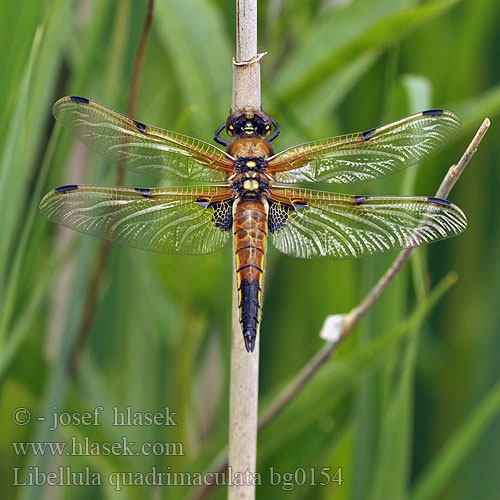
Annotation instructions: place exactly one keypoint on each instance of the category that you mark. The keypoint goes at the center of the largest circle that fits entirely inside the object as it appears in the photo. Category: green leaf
(195, 40)
(368, 26)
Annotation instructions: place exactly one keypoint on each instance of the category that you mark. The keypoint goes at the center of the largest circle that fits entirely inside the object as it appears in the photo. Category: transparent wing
(367, 155)
(148, 150)
(179, 220)
(315, 224)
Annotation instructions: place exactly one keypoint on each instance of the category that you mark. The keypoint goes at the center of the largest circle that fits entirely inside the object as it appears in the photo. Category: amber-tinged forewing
(139, 147)
(367, 155)
(315, 224)
(178, 220)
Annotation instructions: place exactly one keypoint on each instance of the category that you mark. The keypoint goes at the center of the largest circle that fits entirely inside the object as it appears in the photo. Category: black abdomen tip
(250, 337)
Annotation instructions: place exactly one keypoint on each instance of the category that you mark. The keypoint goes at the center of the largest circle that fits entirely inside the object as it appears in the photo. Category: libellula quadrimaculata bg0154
(248, 191)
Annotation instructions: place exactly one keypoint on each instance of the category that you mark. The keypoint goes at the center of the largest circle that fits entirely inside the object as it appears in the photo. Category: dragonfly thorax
(252, 148)
(250, 184)
(250, 177)
(250, 164)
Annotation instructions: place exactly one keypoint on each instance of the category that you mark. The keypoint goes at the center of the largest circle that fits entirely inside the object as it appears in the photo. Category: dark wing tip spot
(439, 201)
(140, 126)
(368, 134)
(144, 191)
(433, 112)
(66, 189)
(360, 199)
(76, 98)
(202, 202)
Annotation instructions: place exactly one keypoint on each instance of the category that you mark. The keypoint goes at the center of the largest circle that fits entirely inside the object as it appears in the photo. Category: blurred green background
(408, 408)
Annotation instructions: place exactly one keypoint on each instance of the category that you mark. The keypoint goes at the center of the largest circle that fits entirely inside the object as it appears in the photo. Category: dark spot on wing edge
(65, 189)
(367, 135)
(76, 98)
(202, 202)
(299, 205)
(144, 191)
(360, 199)
(439, 201)
(140, 126)
(433, 112)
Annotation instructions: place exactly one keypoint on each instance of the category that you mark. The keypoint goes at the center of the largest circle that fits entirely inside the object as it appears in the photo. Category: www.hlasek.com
(85, 447)
(65, 476)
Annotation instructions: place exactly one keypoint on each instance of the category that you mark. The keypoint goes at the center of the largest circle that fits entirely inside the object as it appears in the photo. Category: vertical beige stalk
(244, 365)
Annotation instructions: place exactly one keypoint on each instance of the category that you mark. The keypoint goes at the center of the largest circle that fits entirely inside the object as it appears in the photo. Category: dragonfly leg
(276, 130)
(217, 139)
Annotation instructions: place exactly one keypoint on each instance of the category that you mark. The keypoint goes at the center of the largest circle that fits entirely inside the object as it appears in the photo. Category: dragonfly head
(249, 123)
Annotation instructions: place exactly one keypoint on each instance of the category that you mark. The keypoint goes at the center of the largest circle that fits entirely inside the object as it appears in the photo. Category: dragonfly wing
(139, 147)
(178, 220)
(368, 155)
(315, 224)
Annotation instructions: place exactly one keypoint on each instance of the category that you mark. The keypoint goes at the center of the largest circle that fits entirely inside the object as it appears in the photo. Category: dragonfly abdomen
(250, 229)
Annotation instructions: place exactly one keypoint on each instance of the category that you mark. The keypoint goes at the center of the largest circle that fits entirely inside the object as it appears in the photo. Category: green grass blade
(8, 302)
(12, 183)
(459, 445)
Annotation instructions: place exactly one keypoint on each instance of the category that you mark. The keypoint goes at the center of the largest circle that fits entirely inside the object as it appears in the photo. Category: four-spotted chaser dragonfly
(249, 191)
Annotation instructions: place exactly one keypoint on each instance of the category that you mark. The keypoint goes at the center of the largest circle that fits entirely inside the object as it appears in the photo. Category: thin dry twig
(139, 60)
(105, 245)
(351, 319)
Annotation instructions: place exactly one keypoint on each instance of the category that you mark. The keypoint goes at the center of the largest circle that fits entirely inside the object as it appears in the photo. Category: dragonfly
(248, 191)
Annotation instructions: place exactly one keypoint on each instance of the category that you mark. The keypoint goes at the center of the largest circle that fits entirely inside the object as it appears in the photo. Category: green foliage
(409, 406)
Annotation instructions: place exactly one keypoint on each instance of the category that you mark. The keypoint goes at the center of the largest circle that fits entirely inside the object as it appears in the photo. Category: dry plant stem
(139, 59)
(355, 315)
(105, 245)
(244, 377)
(246, 65)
